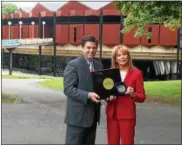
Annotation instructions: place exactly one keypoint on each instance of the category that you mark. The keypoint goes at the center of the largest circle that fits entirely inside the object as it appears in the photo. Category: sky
(27, 6)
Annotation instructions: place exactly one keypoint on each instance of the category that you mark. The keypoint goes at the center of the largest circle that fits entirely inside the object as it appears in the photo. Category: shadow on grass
(9, 99)
(161, 100)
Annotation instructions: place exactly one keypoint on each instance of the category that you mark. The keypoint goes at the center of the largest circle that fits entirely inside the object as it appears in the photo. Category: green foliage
(138, 14)
(8, 8)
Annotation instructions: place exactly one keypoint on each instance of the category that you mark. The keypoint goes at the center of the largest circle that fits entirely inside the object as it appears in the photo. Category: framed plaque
(108, 82)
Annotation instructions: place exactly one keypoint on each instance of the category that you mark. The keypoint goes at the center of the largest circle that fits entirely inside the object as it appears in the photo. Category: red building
(73, 20)
(76, 20)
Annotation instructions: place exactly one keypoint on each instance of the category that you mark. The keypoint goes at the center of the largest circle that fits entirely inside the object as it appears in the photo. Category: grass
(159, 91)
(9, 98)
(164, 91)
(6, 76)
(53, 83)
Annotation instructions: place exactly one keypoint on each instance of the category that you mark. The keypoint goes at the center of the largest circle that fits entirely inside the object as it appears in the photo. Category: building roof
(73, 5)
(39, 7)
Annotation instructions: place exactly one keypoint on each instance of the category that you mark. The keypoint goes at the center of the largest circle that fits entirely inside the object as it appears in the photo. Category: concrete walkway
(39, 119)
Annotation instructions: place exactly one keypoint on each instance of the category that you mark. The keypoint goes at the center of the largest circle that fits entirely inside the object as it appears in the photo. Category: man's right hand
(94, 97)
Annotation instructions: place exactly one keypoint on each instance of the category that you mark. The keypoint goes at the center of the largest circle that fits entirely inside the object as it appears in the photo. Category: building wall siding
(65, 32)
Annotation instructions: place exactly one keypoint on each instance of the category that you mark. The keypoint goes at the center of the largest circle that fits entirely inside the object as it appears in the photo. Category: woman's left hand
(111, 98)
(130, 91)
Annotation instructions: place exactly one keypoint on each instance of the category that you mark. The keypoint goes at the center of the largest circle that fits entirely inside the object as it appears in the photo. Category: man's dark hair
(89, 38)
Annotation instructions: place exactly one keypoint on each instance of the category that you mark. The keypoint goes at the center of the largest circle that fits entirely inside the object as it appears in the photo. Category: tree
(138, 14)
(8, 8)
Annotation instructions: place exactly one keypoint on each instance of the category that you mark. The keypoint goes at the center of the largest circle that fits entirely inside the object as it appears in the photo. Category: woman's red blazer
(124, 107)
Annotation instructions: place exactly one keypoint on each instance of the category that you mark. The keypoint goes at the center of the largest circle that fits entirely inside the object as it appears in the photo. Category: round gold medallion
(121, 88)
(108, 83)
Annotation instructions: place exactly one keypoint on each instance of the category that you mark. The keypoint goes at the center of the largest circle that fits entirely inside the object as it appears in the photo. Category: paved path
(39, 119)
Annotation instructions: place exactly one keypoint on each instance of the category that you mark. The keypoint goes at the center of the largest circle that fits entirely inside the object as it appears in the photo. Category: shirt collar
(88, 61)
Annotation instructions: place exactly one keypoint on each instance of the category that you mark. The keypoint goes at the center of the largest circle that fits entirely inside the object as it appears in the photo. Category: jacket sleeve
(71, 85)
(140, 95)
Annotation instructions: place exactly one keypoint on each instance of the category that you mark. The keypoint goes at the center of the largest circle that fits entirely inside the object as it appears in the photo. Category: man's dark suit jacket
(80, 110)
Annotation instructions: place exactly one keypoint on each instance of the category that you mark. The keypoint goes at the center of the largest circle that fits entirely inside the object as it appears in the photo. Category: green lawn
(53, 83)
(6, 76)
(160, 91)
(166, 91)
(9, 98)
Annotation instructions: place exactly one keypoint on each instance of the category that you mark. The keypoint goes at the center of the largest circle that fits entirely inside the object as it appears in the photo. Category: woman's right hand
(111, 98)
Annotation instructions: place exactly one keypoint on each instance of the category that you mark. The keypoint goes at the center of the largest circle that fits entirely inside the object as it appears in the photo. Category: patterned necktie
(91, 67)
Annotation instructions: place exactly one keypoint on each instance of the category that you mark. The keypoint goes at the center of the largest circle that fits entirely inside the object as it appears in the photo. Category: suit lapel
(83, 64)
(128, 73)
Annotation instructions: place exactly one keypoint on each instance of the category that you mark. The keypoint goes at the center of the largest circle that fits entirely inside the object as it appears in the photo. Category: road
(39, 119)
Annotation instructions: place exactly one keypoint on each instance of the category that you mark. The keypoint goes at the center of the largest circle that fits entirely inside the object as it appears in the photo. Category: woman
(121, 111)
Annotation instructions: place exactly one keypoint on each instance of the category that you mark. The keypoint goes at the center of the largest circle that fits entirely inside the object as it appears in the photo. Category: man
(83, 105)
